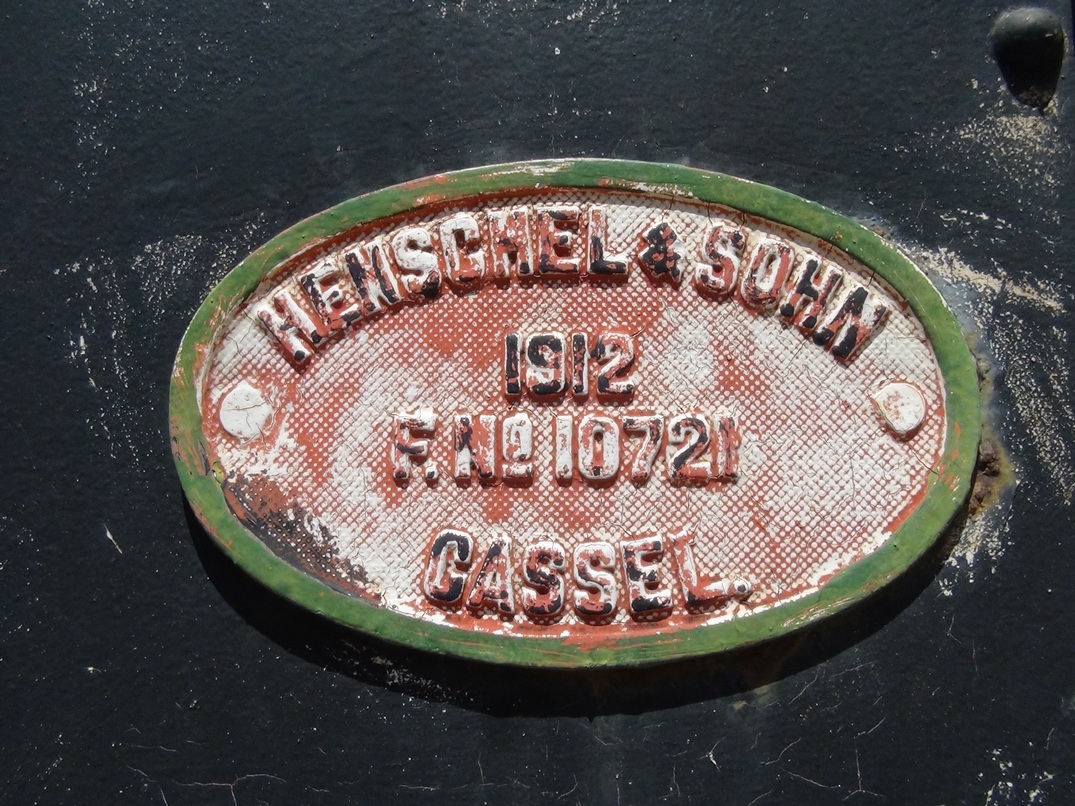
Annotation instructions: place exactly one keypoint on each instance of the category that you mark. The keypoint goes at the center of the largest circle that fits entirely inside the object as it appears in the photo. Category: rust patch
(991, 474)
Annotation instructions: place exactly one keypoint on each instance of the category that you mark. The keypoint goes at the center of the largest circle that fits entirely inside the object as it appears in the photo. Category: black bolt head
(1028, 45)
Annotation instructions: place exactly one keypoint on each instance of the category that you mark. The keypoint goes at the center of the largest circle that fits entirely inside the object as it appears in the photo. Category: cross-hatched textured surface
(822, 483)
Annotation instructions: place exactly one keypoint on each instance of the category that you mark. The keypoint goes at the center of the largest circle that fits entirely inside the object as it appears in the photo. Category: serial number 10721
(698, 448)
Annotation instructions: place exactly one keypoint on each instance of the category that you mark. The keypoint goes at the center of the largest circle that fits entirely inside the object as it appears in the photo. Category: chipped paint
(336, 362)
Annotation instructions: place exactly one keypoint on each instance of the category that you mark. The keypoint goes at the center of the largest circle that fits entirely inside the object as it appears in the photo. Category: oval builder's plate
(575, 413)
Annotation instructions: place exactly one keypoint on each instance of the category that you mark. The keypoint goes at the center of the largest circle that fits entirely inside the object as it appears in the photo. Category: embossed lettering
(593, 568)
(557, 230)
(660, 258)
(808, 291)
(331, 296)
(447, 566)
(512, 379)
(651, 427)
(852, 323)
(615, 350)
(293, 328)
(563, 447)
(492, 588)
(647, 600)
(726, 448)
(599, 448)
(766, 273)
(543, 584)
(405, 449)
(703, 593)
(612, 268)
(517, 446)
(691, 463)
(372, 278)
(544, 373)
(509, 239)
(580, 369)
(717, 274)
(418, 266)
(474, 450)
(460, 243)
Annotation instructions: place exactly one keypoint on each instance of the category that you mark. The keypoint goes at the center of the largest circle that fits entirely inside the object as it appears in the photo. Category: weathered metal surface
(575, 413)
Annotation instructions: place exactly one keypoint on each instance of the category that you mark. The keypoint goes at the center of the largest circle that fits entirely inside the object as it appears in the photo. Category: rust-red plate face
(575, 413)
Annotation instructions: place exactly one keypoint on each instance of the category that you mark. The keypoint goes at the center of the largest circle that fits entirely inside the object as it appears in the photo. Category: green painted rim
(946, 492)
